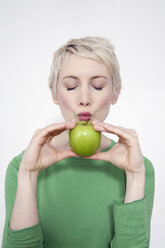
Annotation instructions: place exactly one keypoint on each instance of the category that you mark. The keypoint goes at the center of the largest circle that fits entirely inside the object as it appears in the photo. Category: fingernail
(96, 126)
(71, 123)
(94, 121)
(74, 120)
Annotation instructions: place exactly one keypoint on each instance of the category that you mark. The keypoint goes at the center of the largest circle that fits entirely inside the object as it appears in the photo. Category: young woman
(55, 198)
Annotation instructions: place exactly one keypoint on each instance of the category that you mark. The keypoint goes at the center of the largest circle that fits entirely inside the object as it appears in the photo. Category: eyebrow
(94, 77)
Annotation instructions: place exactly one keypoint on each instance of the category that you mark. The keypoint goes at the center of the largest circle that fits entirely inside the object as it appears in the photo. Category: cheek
(64, 99)
(106, 100)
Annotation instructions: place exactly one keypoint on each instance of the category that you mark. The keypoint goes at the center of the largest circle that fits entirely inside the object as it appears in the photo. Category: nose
(84, 97)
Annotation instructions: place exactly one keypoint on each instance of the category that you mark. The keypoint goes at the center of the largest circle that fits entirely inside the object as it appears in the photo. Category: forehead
(77, 65)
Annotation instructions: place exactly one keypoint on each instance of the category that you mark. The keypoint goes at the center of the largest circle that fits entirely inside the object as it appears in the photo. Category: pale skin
(84, 85)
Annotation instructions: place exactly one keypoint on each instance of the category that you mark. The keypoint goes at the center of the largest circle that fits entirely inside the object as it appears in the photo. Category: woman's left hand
(126, 153)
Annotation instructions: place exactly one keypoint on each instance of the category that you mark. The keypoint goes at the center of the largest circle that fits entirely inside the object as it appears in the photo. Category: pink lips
(84, 116)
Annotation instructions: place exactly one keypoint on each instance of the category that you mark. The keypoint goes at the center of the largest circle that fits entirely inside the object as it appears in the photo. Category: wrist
(135, 186)
(133, 177)
(25, 173)
(27, 178)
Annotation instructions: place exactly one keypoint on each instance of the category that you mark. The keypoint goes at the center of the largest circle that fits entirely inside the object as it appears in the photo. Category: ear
(54, 95)
(115, 97)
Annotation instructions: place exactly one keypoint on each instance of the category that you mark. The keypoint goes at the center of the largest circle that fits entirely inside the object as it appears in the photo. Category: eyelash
(96, 88)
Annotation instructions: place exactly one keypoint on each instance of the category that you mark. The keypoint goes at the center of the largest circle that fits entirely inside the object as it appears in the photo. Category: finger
(75, 120)
(101, 124)
(37, 131)
(98, 156)
(100, 128)
(123, 133)
(129, 131)
(95, 121)
(57, 132)
(48, 132)
(57, 128)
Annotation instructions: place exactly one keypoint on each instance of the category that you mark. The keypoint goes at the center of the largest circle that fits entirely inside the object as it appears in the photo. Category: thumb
(98, 156)
(65, 154)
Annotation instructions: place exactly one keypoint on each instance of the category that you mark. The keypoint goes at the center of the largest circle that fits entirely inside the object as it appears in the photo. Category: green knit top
(80, 205)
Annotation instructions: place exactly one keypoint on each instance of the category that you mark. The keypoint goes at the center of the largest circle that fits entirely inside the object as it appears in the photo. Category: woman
(55, 198)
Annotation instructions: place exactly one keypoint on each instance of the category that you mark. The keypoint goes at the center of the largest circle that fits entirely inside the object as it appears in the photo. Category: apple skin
(84, 139)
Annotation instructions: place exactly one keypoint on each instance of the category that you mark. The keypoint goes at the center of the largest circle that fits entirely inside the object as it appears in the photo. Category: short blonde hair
(96, 48)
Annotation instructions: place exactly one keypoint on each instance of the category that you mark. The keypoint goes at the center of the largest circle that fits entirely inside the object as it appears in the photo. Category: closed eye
(97, 88)
(71, 88)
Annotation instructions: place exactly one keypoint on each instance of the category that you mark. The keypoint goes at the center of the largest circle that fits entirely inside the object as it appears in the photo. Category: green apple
(84, 139)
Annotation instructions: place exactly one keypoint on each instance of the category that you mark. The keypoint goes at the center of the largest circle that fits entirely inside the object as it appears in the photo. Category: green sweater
(80, 204)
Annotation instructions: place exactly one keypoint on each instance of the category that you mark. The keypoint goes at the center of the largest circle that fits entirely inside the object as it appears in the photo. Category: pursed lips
(84, 116)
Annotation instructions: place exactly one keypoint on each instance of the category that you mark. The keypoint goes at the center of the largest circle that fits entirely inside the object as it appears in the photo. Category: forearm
(135, 187)
(25, 211)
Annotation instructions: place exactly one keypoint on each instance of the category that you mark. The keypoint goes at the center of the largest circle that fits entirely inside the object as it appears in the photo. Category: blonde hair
(96, 48)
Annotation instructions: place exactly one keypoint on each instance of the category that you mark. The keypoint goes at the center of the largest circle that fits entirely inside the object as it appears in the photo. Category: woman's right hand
(40, 154)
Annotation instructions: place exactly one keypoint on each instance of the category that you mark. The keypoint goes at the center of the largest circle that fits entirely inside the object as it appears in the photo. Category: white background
(31, 30)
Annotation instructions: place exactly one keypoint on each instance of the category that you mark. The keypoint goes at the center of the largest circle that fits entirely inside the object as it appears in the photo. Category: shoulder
(149, 168)
(150, 177)
(14, 164)
(11, 175)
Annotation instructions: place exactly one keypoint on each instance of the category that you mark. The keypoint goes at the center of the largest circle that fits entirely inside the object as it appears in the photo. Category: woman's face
(84, 86)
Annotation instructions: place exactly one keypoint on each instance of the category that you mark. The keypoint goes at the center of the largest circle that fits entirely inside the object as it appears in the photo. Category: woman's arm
(25, 212)
(18, 238)
(132, 220)
(38, 155)
(22, 227)
(132, 213)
